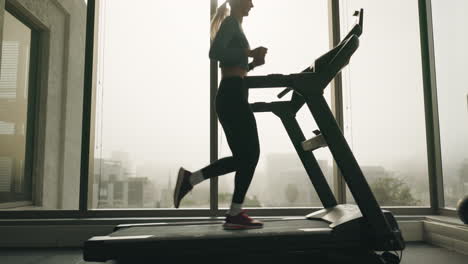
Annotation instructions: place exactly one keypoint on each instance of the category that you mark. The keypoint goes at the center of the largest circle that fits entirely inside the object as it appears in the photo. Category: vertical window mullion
(337, 94)
(87, 95)
(436, 186)
(213, 123)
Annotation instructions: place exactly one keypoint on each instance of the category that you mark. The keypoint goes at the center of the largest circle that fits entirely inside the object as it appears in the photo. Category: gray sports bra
(230, 44)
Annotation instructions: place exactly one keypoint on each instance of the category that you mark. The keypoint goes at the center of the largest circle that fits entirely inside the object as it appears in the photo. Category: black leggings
(240, 127)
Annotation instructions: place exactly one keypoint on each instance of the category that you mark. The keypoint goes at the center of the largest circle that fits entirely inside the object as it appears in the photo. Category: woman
(231, 48)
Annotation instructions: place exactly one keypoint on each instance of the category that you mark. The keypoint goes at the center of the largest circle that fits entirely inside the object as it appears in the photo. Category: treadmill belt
(215, 231)
(146, 241)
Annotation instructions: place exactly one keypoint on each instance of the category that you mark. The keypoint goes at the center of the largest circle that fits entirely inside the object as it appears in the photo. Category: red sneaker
(241, 221)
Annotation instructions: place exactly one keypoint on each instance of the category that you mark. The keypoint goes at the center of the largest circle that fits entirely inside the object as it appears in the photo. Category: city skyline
(268, 186)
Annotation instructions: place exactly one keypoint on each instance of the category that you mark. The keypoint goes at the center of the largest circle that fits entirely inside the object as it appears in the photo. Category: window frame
(434, 156)
(27, 197)
(435, 177)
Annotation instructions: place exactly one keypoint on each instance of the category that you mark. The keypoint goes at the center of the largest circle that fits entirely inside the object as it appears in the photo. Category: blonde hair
(221, 13)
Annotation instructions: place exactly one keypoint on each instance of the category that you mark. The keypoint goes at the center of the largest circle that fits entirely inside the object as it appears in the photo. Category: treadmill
(339, 231)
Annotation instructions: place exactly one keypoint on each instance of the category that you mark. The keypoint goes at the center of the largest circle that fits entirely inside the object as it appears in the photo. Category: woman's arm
(219, 50)
(259, 57)
(251, 66)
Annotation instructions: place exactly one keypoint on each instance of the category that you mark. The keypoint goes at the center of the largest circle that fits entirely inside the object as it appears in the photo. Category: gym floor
(414, 254)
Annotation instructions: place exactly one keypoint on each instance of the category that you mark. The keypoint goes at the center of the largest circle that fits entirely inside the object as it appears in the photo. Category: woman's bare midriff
(233, 72)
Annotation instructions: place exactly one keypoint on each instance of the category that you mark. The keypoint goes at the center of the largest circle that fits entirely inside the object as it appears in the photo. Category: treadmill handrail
(357, 30)
(318, 80)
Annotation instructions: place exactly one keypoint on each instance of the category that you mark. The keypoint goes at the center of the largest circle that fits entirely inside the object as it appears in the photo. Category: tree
(391, 191)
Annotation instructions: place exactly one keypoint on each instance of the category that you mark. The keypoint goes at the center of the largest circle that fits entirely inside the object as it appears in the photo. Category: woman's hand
(258, 61)
(258, 55)
(257, 52)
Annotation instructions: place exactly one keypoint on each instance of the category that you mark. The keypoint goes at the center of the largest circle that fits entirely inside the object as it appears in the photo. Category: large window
(15, 179)
(41, 104)
(150, 106)
(152, 102)
(295, 35)
(451, 57)
(384, 103)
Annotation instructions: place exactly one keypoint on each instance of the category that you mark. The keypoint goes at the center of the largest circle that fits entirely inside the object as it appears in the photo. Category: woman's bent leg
(219, 167)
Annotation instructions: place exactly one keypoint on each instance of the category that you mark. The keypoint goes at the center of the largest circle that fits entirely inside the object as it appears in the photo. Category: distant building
(285, 172)
(114, 187)
(463, 178)
(133, 192)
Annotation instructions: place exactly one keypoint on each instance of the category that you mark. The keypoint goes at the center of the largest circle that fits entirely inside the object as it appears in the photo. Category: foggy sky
(153, 93)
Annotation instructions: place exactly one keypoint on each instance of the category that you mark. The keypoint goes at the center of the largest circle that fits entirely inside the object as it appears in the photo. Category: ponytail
(221, 13)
